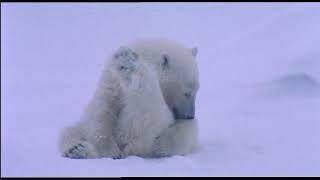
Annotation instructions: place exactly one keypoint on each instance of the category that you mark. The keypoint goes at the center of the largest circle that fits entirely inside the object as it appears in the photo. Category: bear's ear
(165, 62)
(194, 51)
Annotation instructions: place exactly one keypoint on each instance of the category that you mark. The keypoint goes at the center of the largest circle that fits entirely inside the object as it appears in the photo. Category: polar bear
(144, 105)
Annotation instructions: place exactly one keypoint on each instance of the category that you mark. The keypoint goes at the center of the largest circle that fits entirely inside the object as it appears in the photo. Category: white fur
(128, 114)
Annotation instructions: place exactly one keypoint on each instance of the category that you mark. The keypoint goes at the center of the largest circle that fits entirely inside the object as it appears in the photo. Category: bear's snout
(186, 110)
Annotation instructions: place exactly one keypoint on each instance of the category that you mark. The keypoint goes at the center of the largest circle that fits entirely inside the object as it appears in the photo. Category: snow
(258, 104)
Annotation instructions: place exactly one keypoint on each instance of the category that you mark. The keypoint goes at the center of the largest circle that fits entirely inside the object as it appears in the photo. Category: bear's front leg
(179, 139)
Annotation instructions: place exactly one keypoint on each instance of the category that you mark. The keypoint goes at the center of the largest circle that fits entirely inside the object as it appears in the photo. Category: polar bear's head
(179, 82)
(177, 71)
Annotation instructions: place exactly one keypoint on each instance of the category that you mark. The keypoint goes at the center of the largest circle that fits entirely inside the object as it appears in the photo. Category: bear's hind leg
(72, 144)
(126, 61)
(140, 125)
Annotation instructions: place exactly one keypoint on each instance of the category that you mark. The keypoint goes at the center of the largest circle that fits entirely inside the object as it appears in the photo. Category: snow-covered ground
(258, 104)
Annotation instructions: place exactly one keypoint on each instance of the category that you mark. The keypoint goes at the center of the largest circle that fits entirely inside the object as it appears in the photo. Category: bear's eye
(122, 68)
(188, 95)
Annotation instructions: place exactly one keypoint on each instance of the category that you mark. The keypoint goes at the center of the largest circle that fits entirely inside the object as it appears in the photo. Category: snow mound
(299, 84)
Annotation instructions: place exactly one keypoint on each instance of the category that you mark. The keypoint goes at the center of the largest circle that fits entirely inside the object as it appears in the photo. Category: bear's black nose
(189, 117)
(183, 114)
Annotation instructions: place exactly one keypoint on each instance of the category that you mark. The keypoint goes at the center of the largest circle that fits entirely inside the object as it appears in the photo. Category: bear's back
(152, 49)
